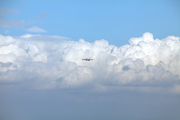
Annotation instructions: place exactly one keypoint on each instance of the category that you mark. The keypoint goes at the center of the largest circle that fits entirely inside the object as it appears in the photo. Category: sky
(134, 74)
(116, 21)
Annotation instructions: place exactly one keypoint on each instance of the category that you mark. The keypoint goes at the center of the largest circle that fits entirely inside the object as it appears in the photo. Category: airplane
(87, 59)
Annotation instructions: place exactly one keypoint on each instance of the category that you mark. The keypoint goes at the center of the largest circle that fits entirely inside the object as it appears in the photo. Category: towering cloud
(48, 62)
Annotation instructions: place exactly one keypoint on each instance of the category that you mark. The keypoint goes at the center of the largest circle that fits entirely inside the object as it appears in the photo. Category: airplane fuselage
(88, 59)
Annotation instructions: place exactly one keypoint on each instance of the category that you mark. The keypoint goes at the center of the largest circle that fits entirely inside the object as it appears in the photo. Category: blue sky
(115, 21)
(134, 74)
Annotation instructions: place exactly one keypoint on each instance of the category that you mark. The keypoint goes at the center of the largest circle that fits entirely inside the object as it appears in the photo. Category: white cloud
(11, 23)
(7, 11)
(14, 23)
(31, 22)
(7, 31)
(53, 62)
(36, 29)
(43, 15)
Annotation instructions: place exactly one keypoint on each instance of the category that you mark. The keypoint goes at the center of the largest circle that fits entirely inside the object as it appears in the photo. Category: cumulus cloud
(51, 62)
(36, 29)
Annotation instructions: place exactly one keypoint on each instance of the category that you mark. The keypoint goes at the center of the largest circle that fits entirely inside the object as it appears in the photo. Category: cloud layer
(36, 29)
(53, 62)
(14, 23)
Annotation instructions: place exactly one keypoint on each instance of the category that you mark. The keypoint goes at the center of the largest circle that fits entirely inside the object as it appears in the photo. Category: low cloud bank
(54, 62)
